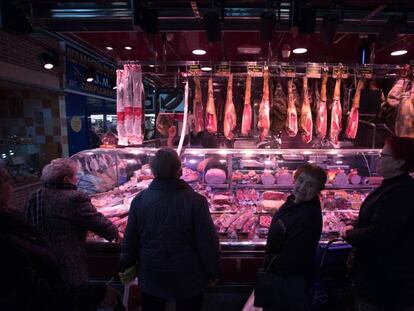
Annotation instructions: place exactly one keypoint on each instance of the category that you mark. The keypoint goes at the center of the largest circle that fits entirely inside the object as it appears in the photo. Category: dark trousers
(152, 303)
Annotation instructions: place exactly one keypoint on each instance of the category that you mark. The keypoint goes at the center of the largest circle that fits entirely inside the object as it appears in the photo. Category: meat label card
(340, 72)
(288, 71)
(194, 70)
(366, 72)
(255, 70)
(222, 69)
(313, 71)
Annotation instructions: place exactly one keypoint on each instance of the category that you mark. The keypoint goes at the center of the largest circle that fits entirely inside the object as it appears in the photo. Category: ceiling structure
(100, 23)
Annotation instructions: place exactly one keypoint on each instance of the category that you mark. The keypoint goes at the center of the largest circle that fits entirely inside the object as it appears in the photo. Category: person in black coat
(293, 238)
(383, 236)
(171, 237)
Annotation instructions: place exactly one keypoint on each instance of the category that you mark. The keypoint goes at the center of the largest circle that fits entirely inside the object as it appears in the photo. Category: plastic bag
(249, 305)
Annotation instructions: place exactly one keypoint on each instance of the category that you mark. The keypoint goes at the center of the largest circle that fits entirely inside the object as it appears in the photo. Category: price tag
(313, 71)
(222, 69)
(255, 70)
(340, 72)
(288, 71)
(366, 72)
(194, 69)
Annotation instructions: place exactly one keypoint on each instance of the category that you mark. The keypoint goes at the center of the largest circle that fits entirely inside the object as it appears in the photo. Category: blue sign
(79, 65)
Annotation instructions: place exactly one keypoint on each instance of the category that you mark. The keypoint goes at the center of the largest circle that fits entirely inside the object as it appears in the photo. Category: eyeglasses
(385, 155)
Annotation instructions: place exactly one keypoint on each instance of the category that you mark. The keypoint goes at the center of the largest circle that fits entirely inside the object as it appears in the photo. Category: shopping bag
(132, 295)
(249, 305)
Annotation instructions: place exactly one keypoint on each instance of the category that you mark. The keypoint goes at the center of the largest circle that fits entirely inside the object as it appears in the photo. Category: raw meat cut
(404, 123)
(292, 116)
(215, 176)
(211, 116)
(120, 108)
(274, 195)
(247, 110)
(336, 114)
(306, 114)
(322, 113)
(278, 109)
(198, 109)
(353, 117)
(137, 135)
(229, 112)
(264, 109)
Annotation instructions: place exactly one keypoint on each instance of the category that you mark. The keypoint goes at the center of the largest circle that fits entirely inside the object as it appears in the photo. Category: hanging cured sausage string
(211, 116)
(229, 112)
(306, 114)
(353, 117)
(198, 109)
(292, 116)
(264, 109)
(247, 110)
(120, 110)
(137, 135)
(336, 113)
(322, 113)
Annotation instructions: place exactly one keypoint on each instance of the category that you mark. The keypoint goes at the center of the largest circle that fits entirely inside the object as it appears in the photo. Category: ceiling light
(128, 47)
(300, 50)
(206, 68)
(109, 48)
(114, 88)
(286, 50)
(152, 66)
(399, 52)
(249, 50)
(49, 59)
(199, 52)
(90, 74)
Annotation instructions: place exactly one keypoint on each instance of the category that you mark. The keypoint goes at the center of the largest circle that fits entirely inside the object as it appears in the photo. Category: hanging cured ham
(128, 100)
(211, 116)
(292, 116)
(279, 108)
(137, 135)
(353, 117)
(198, 109)
(336, 114)
(264, 108)
(404, 123)
(306, 114)
(247, 109)
(120, 109)
(229, 112)
(321, 111)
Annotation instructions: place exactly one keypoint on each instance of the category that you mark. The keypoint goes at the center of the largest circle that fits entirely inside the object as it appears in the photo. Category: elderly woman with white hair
(65, 215)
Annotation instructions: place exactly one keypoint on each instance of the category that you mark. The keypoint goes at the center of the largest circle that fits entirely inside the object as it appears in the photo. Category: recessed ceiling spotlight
(399, 52)
(109, 48)
(300, 50)
(152, 66)
(206, 68)
(49, 59)
(128, 47)
(199, 52)
(114, 88)
(48, 66)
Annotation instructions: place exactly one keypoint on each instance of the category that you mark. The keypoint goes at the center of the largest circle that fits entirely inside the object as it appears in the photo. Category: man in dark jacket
(172, 238)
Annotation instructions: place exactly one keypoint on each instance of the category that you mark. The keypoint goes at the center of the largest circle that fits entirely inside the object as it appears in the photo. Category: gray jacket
(67, 216)
(171, 235)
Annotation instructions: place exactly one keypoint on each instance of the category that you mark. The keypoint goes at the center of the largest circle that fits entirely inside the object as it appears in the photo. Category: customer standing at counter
(171, 237)
(65, 215)
(384, 234)
(293, 239)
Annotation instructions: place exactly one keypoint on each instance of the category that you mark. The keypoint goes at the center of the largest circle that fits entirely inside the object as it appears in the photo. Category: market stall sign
(288, 71)
(222, 69)
(255, 70)
(313, 71)
(340, 72)
(366, 72)
(76, 124)
(78, 64)
(194, 69)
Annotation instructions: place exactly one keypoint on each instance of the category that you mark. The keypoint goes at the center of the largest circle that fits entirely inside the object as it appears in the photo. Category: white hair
(58, 169)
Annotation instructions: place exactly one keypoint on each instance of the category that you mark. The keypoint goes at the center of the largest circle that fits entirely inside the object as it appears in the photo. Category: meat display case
(244, 188)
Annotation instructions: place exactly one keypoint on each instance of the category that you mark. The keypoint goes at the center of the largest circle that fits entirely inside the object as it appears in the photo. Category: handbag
(272, 290)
